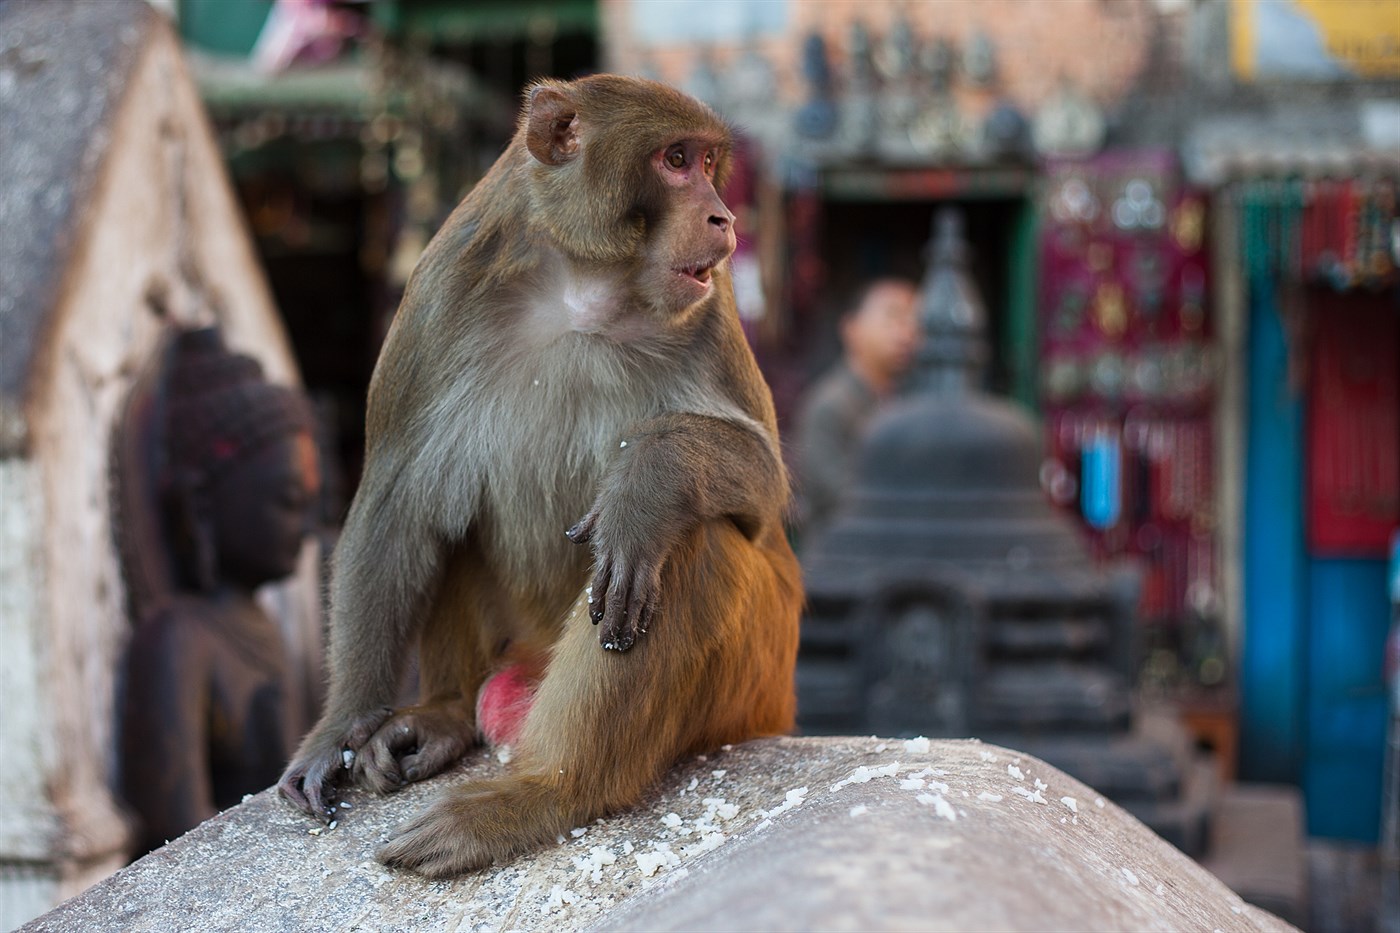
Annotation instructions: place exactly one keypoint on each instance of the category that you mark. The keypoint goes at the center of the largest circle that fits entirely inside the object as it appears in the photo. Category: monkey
(566, 429)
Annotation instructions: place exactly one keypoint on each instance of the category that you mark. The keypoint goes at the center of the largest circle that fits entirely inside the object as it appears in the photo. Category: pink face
(698, 233)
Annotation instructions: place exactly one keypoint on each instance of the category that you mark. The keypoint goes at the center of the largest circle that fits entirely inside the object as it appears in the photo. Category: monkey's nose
(722, 221)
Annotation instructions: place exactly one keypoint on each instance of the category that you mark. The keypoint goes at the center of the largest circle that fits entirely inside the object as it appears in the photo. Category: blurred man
(879, 337)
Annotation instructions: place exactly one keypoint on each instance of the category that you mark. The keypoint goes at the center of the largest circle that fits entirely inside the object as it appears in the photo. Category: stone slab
(782, 834)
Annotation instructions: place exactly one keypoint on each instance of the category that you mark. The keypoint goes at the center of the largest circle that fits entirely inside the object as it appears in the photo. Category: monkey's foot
(474, 825)
(414, 743)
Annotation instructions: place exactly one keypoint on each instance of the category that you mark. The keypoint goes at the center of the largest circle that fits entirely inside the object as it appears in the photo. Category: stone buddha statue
(217, 481)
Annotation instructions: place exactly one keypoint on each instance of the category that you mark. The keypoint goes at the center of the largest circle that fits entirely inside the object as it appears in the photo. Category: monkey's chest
(545, 450)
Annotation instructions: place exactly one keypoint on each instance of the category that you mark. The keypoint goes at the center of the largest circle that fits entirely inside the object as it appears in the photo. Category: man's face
(884, 331)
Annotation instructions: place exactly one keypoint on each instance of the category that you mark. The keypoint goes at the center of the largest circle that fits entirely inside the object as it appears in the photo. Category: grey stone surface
(783, 834)
(63, 69)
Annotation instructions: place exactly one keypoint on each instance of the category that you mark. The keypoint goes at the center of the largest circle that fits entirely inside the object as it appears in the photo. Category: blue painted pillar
(1272, 684)
(1347, 710)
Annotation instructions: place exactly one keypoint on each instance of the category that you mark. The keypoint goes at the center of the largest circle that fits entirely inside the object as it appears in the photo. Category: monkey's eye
(709, 162)
(675, 157)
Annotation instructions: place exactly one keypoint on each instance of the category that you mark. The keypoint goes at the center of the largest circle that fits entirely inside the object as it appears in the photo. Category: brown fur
(549, 368)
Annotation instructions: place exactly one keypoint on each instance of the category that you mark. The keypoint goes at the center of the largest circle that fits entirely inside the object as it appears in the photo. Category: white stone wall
(163, 231)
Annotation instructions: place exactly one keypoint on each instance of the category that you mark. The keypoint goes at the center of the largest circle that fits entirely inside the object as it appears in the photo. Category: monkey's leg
(470, 633)
(604, 725)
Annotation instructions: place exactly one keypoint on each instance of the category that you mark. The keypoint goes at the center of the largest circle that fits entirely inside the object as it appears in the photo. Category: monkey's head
(626, 171)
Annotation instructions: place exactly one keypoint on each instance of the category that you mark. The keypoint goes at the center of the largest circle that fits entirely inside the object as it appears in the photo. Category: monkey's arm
(670, 474)
(386, 563)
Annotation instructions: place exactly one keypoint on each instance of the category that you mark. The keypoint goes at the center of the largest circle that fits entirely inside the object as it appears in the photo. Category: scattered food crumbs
(694, 783)
(859, 810)
(719, 774)
(623, 444)
(594, 862)
(911, 784)
(726, 748)
(990, 798)
(559, 839)
(726, 811)
(247, 797)
(578, 831)
(940, 806)
(347, 757)
(673, 820)
(708, 841)
(1161, 890)
(1063, 820)
(345, 805)
(862, 774)
(1098, 802)
(334, 824)
(660, 856)
(315, 832)
(702, 757)
(1074, 820)
(938, 786)
(1034, 796)
(916, 746)
(1041, 785)
(1071, 803)
(987, 756)
(1132, 878)
(627, 847)
(764, 825)
(1015, 772)
(793, 798)
(558, 897)
(504, 754)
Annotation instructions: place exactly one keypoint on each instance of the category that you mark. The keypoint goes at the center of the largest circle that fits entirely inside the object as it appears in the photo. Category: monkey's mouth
(697, 272)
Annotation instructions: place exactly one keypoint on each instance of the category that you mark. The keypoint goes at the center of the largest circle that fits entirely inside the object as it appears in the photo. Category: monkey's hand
(416, 742)
(626, 581)
(310, 780)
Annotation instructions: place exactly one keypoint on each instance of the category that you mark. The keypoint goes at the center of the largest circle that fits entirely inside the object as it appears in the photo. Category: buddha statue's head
(237, 473)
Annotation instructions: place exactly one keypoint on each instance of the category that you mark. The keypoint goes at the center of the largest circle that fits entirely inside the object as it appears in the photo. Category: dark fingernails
(573, 530)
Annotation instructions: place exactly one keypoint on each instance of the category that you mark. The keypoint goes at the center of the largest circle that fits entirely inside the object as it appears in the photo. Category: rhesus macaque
(567, 356)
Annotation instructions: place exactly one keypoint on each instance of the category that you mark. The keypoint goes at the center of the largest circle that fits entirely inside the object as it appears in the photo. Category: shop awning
(1317, 140)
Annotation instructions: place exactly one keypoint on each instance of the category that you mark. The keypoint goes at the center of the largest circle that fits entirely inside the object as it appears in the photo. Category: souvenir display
(1127, 370)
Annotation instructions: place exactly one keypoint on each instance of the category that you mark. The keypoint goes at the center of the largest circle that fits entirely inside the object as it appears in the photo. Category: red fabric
(1353, 425)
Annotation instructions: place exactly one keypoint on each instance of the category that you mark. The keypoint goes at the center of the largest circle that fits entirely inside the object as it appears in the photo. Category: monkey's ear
(551, 134)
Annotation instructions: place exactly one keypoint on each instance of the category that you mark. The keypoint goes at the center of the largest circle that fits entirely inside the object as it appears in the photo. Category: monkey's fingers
(582, 530)
(613, 623)
(307, 786)
(598, 592)
(431, 758)
(377, 764)
(640, 609)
